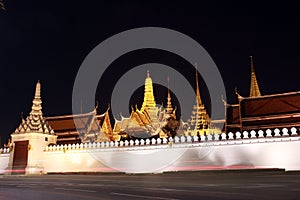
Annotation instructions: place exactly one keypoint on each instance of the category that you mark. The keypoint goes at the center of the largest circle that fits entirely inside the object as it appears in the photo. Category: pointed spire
(198, 97)
(199, 119)
(38, 90)
(254, 89)
(36, 108)
(35, 122)
(169, 108)
(149, 100)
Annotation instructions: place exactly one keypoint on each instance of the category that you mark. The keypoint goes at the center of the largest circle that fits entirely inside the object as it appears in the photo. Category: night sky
(48, 41)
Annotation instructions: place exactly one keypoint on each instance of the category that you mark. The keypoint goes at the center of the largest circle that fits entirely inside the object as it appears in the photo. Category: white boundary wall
(4, 159)
(260, 150)
(270, 149)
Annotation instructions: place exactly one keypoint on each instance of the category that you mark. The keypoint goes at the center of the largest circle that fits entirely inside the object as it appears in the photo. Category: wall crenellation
(4, 150)
(238, 136)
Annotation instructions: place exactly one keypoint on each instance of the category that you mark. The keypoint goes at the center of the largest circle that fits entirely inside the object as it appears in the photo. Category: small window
(46, 139)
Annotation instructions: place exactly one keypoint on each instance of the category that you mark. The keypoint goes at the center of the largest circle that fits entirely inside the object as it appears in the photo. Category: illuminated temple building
(89, 126)
(147, 122)
(256, 112)
(262, 112)
(151, 120)
(154, 121)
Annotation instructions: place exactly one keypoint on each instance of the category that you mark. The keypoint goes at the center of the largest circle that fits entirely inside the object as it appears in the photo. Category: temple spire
(169, 108)
(149, 100)
(254, 89)
(198, 97)
(36, 108)
(199, 121)
(35, 122)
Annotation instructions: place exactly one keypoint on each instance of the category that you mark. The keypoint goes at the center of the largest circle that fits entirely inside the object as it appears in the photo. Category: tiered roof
(79, 128)
(35, 122)
(263, 112)
(199, 119)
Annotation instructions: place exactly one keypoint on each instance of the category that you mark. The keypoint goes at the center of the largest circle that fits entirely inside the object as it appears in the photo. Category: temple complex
(151, 120)
(250, 113)
(87, 142)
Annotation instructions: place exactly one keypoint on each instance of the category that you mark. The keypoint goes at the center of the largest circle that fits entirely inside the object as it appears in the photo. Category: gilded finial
(169, 108)
(251, 64)
(174, 111)
(169, 87)
(36, 108)
(237, 93)
(108, 107)
(38, 90)
(254, 88)
(198, 97)
(148, 74)
(223, 100)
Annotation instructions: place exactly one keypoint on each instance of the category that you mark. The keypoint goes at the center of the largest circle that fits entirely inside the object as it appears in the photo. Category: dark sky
(48, 40)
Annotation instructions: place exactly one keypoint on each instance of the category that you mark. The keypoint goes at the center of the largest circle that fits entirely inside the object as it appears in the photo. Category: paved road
(167, 186)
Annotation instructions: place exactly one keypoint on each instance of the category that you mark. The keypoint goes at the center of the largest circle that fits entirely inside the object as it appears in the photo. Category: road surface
(260, 184)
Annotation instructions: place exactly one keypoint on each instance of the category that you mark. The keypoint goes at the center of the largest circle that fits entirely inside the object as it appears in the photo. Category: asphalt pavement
(254, 184)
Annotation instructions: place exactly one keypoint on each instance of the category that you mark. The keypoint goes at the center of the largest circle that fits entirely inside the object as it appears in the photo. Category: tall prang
(199, 122)
(254, 88)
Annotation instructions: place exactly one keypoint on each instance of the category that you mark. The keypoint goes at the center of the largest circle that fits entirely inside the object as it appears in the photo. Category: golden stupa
(150, 120)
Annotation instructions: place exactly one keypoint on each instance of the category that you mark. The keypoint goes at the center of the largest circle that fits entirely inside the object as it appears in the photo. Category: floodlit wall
(61, 161)
(270, 149)
(247, 150)
(4, 159)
